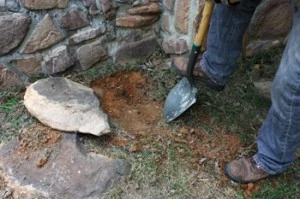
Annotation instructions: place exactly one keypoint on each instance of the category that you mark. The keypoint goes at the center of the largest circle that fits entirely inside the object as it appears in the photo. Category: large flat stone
(57, 166)
(66, 105)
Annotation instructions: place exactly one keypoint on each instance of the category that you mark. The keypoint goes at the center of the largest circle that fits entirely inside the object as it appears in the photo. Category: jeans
(279, 136)
(224, 42)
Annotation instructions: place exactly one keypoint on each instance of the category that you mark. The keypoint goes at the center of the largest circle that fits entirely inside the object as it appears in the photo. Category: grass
(155, 173)
(102, 70)
(9, 105)
(161, 171)
(168, 180)
(240, 109)
(13, 114)
(286, 186)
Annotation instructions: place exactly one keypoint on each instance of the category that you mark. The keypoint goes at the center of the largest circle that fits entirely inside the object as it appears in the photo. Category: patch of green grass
(9, 104)
(103, 70)
(287, 185)
(13, 115)
(156, 173)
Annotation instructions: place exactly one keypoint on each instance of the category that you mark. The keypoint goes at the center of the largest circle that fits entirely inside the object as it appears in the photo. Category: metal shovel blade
(180, 98)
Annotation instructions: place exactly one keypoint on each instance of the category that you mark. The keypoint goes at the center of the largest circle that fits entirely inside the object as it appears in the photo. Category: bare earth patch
(125, 97)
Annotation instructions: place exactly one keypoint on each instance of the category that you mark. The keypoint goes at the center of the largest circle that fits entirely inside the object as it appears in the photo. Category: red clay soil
(38, 138)
(125, 98)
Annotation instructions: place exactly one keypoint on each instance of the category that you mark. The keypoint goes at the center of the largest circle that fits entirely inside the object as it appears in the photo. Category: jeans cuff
(260, 165)
(203, 65)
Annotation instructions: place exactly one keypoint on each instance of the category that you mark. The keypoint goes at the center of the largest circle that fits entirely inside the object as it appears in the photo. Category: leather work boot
(180, 64)
(244, 170)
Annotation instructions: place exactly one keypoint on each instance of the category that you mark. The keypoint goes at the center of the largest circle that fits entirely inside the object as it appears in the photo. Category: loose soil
(38, 138)
(126, 98)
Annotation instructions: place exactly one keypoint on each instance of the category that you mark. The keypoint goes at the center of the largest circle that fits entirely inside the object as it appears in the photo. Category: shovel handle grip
(206, 15)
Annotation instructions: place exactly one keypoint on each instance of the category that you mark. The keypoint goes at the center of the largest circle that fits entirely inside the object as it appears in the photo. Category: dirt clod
(41, 162)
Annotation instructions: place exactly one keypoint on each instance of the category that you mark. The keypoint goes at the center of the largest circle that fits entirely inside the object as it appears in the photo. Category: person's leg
(224, 45)
(279, 136)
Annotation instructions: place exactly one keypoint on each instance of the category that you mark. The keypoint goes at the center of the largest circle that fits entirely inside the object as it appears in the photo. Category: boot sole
(227, 173)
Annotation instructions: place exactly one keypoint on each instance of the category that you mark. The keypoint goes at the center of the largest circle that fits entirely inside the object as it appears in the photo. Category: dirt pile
(125, 98)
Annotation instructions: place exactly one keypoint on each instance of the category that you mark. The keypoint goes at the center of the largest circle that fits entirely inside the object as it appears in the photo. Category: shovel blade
(179, 99)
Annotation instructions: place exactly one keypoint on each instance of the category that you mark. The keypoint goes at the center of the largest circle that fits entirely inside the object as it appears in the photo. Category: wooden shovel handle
(203, 27)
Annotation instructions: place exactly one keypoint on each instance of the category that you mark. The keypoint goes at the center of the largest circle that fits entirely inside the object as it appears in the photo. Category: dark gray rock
(29, 65)
(108, 7)
(137, 49)
(13, 28)
(175, 46)
(59, 60)
(87, 34)
(43, 36)
(91, 53)
(9, 79)
(73, 18)
(272, 19)
(68, 172)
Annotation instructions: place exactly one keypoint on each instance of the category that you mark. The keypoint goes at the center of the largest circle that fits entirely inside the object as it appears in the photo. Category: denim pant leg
(224, 44)
(279, 136)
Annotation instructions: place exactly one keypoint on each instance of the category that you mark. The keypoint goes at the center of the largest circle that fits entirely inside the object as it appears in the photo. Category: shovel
(183, 94)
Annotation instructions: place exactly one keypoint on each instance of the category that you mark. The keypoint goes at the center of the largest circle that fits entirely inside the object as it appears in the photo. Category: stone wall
(49, 37)
(179, 21)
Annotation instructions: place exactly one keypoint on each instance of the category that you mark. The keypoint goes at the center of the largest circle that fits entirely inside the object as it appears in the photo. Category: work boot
(180, 64)
(244, 170)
